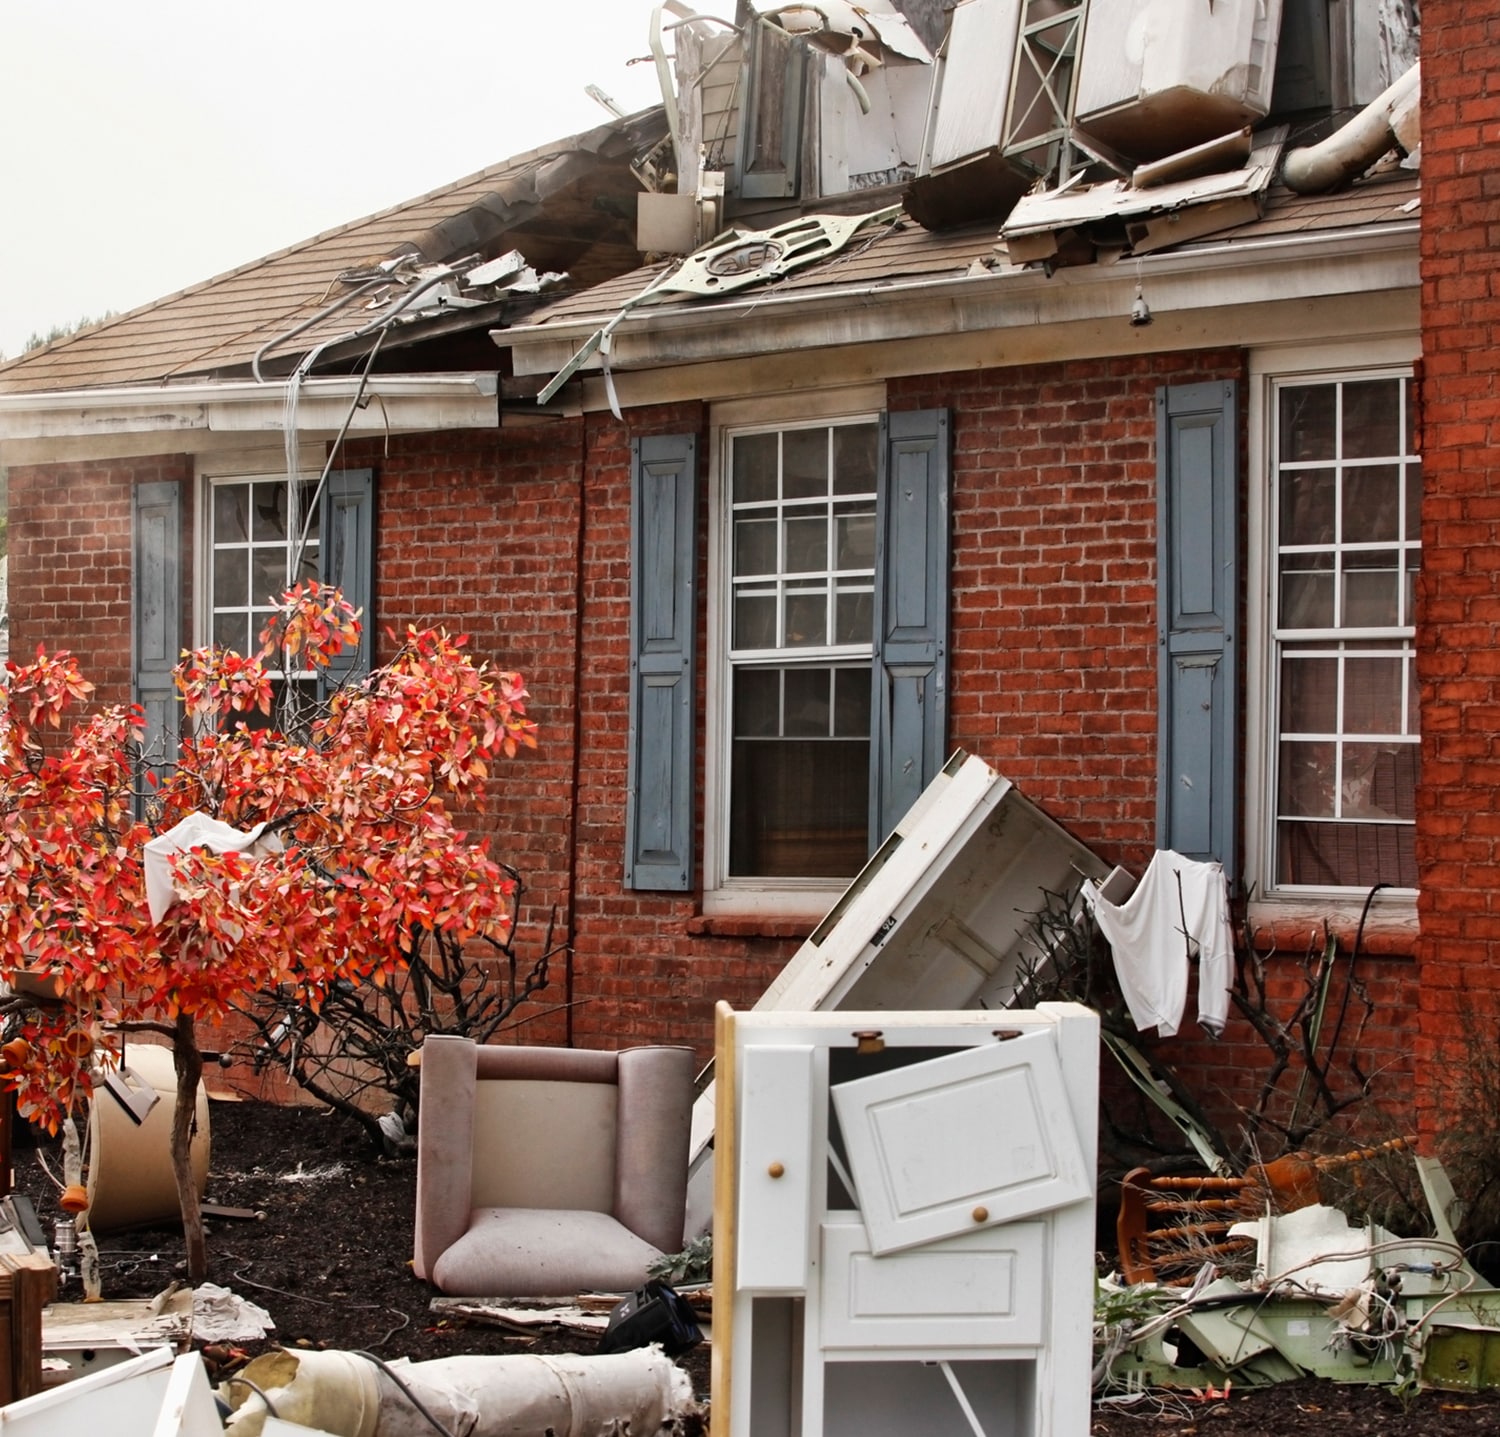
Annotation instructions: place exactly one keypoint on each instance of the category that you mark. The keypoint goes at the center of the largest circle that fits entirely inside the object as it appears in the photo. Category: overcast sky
(149, 144)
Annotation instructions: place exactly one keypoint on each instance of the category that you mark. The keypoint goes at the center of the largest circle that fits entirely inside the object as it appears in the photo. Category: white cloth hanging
(1179, 910)
(197, 830)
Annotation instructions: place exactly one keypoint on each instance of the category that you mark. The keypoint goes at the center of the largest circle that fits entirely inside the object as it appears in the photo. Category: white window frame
(780, 897)
(257, 466)
(1366, 358)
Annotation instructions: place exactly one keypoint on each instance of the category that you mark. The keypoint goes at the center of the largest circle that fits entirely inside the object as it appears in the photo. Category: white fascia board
(1277, 269)
(390, 403)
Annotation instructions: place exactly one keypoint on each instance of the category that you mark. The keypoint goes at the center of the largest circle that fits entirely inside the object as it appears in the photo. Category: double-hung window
(801, 531)
(826, 695)
(263, 538)
(1346, 548)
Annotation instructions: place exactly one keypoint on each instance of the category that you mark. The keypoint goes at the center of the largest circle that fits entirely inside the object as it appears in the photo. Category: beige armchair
(549, 1171)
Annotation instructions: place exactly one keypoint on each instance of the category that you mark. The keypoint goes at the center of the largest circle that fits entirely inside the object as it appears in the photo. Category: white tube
(1352, 149)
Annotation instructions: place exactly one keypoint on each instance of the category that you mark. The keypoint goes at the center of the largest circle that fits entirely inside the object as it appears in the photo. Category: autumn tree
(269, 855)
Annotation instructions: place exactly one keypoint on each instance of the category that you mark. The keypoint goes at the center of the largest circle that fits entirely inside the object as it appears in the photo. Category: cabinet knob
(981, 1214)
(776, 1170)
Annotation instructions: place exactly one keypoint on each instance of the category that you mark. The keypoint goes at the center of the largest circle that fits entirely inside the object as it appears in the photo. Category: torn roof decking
(567, 206)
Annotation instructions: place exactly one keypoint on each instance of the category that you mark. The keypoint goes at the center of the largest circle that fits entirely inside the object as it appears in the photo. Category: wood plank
(28, 1282)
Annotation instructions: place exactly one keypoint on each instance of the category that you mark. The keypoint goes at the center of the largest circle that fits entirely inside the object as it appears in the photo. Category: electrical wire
(406, 1391)
(256, 1389)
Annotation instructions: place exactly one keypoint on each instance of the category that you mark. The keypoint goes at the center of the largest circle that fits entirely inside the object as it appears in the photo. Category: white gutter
(392, 404)
(1326, 262)
(1392, 118)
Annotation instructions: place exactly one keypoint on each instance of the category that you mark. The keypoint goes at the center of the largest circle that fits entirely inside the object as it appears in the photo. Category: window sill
(751, 925)
(1292, 925)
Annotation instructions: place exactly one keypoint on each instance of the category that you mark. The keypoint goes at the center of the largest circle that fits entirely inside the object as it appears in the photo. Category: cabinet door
(977, 1137)
(775, 1168)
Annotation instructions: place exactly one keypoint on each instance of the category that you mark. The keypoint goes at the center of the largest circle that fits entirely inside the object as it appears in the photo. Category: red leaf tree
(357, 848)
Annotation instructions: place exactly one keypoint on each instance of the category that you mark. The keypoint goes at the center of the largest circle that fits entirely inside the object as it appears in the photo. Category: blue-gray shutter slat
(909, 715)
(347, 559)
(1197, 590)
(663, 559)
(156, 610)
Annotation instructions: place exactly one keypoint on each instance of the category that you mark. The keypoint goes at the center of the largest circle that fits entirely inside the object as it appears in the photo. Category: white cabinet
(904, 1223)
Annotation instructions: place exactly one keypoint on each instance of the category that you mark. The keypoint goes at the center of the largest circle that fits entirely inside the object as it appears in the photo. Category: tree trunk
(188, 1062)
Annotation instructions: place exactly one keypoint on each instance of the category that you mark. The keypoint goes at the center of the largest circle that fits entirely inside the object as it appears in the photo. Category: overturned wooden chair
(549, 1171)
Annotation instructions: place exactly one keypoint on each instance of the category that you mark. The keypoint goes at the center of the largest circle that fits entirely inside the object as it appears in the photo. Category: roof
(569, 206)
(903, 252)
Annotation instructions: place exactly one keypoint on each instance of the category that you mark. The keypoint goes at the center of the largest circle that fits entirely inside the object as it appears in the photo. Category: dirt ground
(330, 1261)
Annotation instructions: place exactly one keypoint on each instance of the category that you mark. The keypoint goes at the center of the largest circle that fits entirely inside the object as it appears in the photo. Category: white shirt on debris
(1180, 906)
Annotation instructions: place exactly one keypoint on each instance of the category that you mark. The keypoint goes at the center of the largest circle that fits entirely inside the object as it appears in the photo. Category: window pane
(807, 543)
(231, 513)
(232, 631)
(267, 574)
(754, 464)
(1307, 771)
(754, 546)
(804, 463)
(854, 539)
(1372, 505)
(757, 703)
(851, 703)
(1307, 422)
(755, 621)
(1372, 589)
(1346, 855)
(1414, 501)
(1309, 695)
(1379, 781)
(806, 617)
(853, 615)
(1307, 506)
(854, 458)
(808, 707)
(1373, 699)
(231, 579)
(1372, 418)
(268, 512)
(1307, 591)
(801, 808)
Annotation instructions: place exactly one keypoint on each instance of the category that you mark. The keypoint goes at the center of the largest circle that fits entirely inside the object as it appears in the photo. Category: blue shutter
(156, 614)
(663, 557)
(909, 714)
(1197, 590)
(346, 527)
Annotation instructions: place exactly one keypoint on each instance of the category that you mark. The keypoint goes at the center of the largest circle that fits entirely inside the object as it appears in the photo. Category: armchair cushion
(543, 1252)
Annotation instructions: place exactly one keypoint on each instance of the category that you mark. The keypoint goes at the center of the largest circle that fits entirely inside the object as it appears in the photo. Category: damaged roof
(897, 254)
(568, 206)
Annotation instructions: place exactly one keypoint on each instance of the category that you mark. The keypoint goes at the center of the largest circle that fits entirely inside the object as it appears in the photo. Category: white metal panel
(973, 85)
(979, 1290)
(124, 1401)
(1134, 50)
(969, 1140)
(775, 1168)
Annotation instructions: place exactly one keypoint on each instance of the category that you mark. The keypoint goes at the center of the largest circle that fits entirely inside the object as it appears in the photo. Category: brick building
(1140, 521)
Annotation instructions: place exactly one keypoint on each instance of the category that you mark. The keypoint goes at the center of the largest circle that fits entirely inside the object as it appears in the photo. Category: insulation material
(348, 1395)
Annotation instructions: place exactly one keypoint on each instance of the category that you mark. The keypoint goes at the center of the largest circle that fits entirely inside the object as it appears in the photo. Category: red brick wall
(70, 561)
(1458, 802)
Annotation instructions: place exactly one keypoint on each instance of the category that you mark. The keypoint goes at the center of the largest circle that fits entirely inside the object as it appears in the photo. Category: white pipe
(1351, 150)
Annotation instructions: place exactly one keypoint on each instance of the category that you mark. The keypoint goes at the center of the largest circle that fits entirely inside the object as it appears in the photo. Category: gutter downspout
(1392, 118)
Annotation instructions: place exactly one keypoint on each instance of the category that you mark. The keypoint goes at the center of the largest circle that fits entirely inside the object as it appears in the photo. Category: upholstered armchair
(549, 1171)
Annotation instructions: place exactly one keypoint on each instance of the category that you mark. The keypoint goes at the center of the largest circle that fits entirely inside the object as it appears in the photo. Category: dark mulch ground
(330, 1262)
